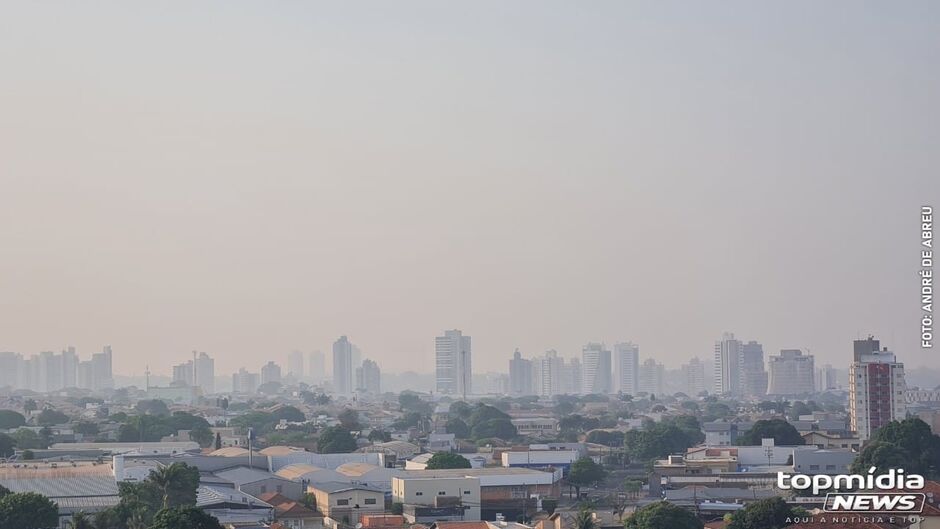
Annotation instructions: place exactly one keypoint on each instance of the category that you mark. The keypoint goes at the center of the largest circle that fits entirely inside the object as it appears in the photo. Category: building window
(814, 467)
(419, 494)
(342, 502)
(441, 493)
(466, 492)
(370, 501)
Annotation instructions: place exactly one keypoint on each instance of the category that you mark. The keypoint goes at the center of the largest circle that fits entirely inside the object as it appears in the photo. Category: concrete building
(753, 373)
(791, 373)
(270, 372)
(204, 375)
(343, 504)
(693, 377)
(728, 366)
(536, 426)
(369, 377)
(876, 388)
(183, 373)
(316, 366)
(651, 377)
(540, 459)
(626, 368)
(454, 373)
(595, 369)
(344, 366)
(295, 365)
(429, 496)
(520, 375)
(245, 382)
(257, 482)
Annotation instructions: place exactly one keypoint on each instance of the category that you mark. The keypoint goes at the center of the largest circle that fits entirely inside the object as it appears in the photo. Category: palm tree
(80, 520)
(167, 478)
(584, 520)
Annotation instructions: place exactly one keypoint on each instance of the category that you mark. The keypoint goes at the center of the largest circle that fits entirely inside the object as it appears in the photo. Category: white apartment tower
(728, 353)
(791, 373)
(626, 368)
(595, 369)
(453, 363)
(344, 368)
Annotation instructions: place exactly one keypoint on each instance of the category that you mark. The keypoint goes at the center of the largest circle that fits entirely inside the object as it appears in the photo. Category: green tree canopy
(379, 436)
(605, 437)
(662, 515)
(584, 472)
(7, 445)
(484, 413)
(336, 440)
(460, 409)
(49, 417)
(10, 419)
(411, 402)
(349, 419)
(770, 513)
(501, 428)
(447, 460)
(184, 518)
(907, 444)
(152, 407)
(28, 439)
(457, 427)
(28, 510)
(782, 432)
(658, 440)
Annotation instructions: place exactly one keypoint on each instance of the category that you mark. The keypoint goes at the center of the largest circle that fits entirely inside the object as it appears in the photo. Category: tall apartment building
(651, 377)
(753, 374)
(204, 372)
(728, 365)
(344, 367)
(453, 357)
(595, 369)
(520, 375)
(183, 373)
(791, 373)
(552, 375)
(316, 366)
(693, 377)
(245, 382)
(368, 377)
(826, 378)
(270, 372)
(626, 368)
(295, 365)
(876, 388)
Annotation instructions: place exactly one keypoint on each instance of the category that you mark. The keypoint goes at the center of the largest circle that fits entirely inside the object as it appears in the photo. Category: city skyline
(611, 172)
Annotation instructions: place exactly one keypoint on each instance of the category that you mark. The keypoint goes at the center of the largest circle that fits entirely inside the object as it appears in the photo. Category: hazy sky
(248, 178)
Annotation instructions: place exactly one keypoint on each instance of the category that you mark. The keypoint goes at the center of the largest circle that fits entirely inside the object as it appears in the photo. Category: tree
(336, 440)
(27, 439)
(502, 428)
(549, 505)
(184, 518)
(4, 491)
(770, 513)
(605, 437)
(379, 436)
(270, 388)
(584, 472)
(202, 435)
(6, 445)
(86, 428)
(218, 440)
(411, 402)
(460, 409)
(457, 427)
(782, 432)
(633, 487)
(907, 444)
(349, 419)
(49, 417)
(10, 419)
(177, 483)
(152, 407)
(30, 405)
(28, 510)
(584, 520)
(289, 414)
(80, 520)
(447, 460)
(657, 440)
(662, 515)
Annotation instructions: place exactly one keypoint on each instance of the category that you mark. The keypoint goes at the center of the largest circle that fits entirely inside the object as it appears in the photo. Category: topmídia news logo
(876, 494)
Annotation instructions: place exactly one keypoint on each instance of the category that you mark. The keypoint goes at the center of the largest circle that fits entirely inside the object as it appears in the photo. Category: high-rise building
(244, 382)
(826, 378)
(102, 377)
(454, 363)
(693, 377)
(595, 369)
(270, 372)
(204, 375)
(368, 377)
(791, 373)
(753, 374)
(650, 379)
(572, 377)
(9, 368)
(876, 388)
(520, 375)
(183, 373)
(728, 365)
(316, 366)
(69, 367)
(626, 368)
(344, 370)
(295, 365)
